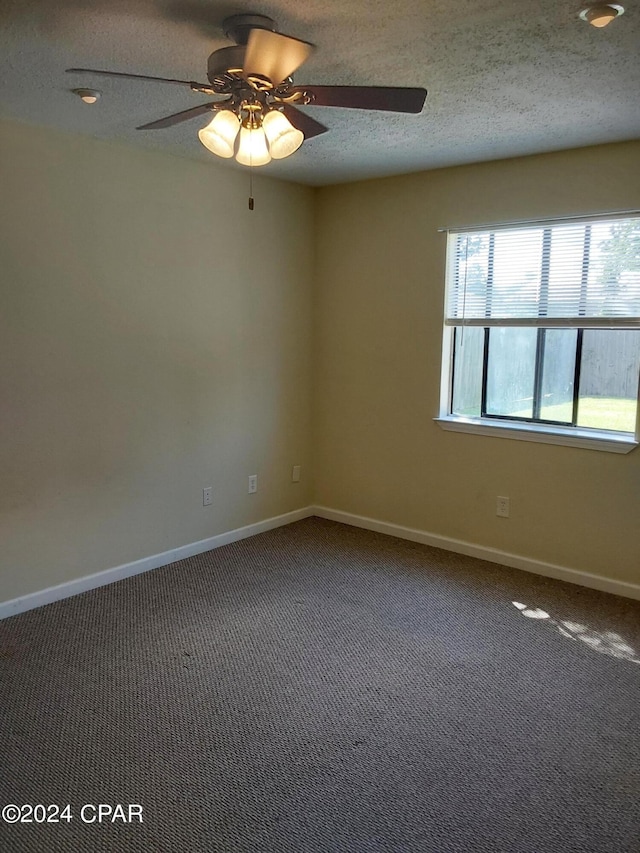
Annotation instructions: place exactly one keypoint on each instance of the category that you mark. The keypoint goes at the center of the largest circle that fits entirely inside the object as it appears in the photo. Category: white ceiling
(504, 78)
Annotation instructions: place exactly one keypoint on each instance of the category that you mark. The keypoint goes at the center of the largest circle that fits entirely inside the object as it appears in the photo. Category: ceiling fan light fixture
(259, 118)
(602, 14)
(282, 136)
(219, 135)
(253, 150)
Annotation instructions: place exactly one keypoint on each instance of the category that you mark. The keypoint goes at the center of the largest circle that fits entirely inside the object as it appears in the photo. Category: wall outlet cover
(502, 506)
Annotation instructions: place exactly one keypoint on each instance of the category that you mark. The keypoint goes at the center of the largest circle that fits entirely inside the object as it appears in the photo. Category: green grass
(613, 413)
(608, 413)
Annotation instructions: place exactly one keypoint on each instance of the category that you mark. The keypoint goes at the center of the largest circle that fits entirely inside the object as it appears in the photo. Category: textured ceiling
(504, 78)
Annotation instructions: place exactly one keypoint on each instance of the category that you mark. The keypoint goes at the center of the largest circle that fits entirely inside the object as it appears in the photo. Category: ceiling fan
(257, 118)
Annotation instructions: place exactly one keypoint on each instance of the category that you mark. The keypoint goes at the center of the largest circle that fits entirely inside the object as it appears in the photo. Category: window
(542, 332)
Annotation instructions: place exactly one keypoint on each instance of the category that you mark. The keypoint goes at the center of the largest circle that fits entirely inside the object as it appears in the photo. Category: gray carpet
(322, 688)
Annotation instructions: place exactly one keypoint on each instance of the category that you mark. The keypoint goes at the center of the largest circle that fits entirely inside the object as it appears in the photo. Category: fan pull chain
(250, 179)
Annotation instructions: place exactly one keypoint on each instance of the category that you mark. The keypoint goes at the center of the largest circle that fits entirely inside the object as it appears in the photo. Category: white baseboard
(78, 585)
(492, 555)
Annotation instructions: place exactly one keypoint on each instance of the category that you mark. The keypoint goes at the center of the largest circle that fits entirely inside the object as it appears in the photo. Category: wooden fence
(610, 364)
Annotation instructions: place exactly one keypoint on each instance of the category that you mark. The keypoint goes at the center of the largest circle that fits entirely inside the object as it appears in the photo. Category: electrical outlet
(207, 496)
(502, 507)
(253, 484)
(295, 474)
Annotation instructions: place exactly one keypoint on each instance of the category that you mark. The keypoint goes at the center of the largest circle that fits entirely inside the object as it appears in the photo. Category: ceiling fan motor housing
(230, 60)
(238, 27)
(227, 60)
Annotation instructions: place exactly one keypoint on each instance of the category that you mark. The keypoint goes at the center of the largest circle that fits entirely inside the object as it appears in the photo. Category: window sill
(612, 442)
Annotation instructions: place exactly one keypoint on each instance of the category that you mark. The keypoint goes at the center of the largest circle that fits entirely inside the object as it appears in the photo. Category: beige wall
(154, 340)
(378, 319)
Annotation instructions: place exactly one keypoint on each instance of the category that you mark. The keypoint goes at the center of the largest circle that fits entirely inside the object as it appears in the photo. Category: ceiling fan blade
(398, 99)
(301, 121)
(273, 55)
(136, 77)
(176, 118)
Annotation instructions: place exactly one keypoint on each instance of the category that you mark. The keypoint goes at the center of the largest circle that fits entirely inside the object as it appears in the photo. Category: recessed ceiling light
(602, 14)
(89, 96)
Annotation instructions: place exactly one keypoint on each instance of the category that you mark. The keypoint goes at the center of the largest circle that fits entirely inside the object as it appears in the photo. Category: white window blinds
(562, 274)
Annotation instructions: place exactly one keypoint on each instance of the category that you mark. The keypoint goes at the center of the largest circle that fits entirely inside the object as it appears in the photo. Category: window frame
(537, 380)
(522, 428)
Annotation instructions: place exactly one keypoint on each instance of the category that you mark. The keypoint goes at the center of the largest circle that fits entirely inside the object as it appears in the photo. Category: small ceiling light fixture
(89, 96)
(602, 14)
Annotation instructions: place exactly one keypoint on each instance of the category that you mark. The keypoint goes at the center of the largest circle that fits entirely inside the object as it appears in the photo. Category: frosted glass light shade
(253, 150)
(283, 137)
(220, 134)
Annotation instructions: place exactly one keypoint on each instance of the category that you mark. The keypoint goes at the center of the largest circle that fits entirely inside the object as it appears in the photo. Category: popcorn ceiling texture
(323, 688)
(505, 78)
